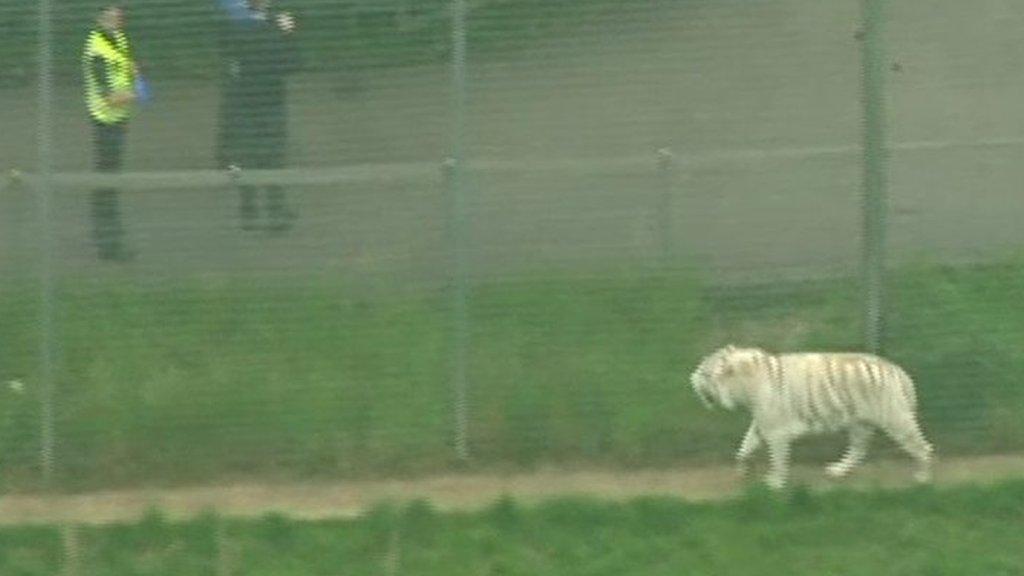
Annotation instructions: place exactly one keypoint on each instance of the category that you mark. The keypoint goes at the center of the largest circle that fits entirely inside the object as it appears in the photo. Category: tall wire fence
(494, 233)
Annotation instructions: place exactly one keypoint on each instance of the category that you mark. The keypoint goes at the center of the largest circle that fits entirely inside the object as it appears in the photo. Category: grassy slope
(912, 532)
(198, 381)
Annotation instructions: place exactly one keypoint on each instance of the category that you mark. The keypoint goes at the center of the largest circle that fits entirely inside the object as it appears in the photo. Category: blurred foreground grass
(961, 531)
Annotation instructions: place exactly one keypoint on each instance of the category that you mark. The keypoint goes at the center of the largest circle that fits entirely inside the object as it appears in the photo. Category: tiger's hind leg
(908, 435)
(860, 436)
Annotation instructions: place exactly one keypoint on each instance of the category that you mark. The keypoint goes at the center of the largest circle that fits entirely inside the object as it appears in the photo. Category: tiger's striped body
(790, 395)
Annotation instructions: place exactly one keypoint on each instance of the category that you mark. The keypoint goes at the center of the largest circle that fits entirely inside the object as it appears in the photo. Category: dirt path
(455, 492)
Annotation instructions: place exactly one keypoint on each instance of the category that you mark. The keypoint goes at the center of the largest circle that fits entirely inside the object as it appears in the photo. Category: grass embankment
(208, 380)
(962, 531)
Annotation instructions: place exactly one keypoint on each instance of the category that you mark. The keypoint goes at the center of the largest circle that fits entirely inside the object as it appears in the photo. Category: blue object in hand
(238, 11)
(142, 92)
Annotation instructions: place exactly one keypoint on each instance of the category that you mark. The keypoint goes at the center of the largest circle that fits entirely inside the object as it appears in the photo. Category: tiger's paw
(743, 469)
(923, 475)
(837, 470)
(775, 482)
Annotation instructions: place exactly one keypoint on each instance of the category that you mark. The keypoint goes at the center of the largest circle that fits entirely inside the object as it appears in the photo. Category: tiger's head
(721, 377)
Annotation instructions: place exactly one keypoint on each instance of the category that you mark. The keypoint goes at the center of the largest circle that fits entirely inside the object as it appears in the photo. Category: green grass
(947, 532)
(209, 380)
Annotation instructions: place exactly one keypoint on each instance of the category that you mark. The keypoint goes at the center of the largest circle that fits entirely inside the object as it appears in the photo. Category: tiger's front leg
(860, 435)
(751, 442)
(778, 451)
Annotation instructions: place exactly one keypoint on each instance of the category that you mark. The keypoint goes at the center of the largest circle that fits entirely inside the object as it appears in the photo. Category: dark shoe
(249, 223)
(248, 211)
(281, 215)
(116, 253)
(107, 230)
(281, 222)
(282, 218)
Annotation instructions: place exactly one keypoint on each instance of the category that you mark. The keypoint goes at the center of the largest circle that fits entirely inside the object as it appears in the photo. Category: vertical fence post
(393, 556)
(71, 550)
(457, 233)
(665, 227)
(875, 166)
(44, 194)
(225, 555)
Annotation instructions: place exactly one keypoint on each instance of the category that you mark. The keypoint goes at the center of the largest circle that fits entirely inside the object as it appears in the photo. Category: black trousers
(261, 144)
(108, 231)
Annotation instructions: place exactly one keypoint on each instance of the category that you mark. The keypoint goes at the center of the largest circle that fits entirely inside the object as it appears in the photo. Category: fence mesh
(406, 237)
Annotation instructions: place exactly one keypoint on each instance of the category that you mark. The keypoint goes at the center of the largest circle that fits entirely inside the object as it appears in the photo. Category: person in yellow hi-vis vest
(110, 72)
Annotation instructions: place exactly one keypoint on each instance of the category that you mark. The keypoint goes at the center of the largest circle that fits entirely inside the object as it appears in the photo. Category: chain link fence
(498, 233)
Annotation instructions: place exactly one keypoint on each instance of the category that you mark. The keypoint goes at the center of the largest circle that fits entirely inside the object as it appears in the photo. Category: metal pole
(44, 194)
(875, 167)
(224, 554)
(457, 223)
(665, 206)
(72, 550)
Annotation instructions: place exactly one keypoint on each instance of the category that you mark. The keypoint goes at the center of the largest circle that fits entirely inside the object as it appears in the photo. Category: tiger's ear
(731, 366)
(739, 367)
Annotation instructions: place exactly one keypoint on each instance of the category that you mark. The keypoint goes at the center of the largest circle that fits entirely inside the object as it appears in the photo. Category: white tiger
(790, 395)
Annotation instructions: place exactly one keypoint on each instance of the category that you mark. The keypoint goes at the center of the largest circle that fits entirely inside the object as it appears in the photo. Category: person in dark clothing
(254, 125)
(109, 73)
(237, 19)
